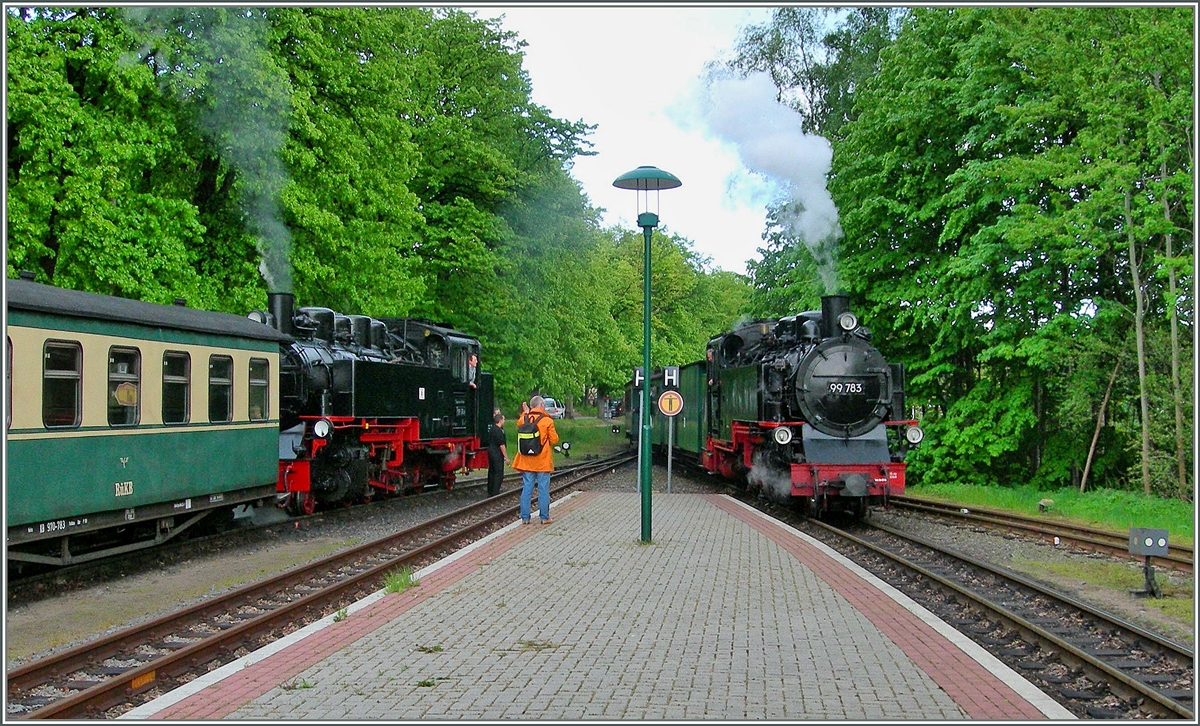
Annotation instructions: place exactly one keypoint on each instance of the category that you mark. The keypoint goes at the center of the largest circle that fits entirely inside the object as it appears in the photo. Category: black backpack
(529, 438)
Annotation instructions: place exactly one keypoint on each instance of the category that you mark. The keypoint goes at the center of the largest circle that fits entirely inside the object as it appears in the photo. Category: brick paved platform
(725, 615)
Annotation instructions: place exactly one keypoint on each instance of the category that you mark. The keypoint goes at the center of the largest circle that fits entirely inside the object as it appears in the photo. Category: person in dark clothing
(497, 454)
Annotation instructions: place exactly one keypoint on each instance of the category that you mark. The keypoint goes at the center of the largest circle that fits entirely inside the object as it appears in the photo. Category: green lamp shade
(646, 178)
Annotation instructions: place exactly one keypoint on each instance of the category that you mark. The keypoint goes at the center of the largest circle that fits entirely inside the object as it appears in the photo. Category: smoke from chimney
(768, 137)
(244, 106)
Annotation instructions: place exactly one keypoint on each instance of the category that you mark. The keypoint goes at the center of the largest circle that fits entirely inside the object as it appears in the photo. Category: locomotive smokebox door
(1147, 542)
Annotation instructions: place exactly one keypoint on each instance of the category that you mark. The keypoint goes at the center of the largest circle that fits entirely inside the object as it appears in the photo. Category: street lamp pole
(645, 179)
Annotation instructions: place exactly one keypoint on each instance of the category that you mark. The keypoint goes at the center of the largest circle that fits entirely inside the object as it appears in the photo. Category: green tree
(987, 177)
(355, 221)
(99, 170)
(817, 58)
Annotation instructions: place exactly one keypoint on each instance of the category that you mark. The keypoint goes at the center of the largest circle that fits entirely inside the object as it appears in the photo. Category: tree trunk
(1087, 467)
(1140, 334)
(1176, 389)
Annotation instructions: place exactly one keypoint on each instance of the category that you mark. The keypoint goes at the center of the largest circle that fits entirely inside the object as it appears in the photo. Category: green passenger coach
(128, 422)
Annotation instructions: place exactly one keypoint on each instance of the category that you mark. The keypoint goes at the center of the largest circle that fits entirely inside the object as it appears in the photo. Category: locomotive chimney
(281, 305)
(831, 307)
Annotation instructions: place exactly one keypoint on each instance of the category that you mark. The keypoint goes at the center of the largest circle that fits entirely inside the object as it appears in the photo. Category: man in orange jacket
(535, 466)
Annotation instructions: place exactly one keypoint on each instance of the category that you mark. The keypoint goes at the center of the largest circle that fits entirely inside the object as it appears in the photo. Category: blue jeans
(543, 484)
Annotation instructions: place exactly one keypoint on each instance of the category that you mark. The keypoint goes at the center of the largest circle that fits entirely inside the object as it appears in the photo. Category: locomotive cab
(374, 407)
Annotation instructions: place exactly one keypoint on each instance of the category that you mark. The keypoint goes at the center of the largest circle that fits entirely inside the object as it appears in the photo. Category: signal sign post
(670, 403)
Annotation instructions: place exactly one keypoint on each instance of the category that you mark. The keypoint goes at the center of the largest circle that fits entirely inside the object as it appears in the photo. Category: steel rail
(1179, 556)
(104, 695)
(1105, 671)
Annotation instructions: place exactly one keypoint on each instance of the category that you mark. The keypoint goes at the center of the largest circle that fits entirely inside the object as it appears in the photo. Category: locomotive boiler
(374, 407)
(803, 407)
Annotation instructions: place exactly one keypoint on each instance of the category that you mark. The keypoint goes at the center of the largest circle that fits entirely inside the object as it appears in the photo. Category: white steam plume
(769, 140)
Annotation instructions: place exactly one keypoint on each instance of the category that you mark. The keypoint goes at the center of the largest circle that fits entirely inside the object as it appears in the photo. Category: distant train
(130, 422)
(803, 407)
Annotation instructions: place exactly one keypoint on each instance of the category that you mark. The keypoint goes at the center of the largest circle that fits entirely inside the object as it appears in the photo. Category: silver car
(554, 408)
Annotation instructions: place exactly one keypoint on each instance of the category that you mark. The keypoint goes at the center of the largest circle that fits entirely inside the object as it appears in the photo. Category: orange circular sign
(670, 403)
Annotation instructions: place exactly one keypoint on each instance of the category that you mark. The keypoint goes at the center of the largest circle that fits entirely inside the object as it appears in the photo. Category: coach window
(176, 387)
(124, 386)
(259, 399)
(62, 377)
(220, 388)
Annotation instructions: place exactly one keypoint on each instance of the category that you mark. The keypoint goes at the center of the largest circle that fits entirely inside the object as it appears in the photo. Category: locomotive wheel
(301, 503)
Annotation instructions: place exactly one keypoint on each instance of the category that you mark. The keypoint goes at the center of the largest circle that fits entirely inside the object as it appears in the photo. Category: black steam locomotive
(374, 407)
(803, 407)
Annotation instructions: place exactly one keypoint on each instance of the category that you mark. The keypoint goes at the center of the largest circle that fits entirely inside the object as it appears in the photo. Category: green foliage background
(1015, 187)
(380, 161)
(1002, 174)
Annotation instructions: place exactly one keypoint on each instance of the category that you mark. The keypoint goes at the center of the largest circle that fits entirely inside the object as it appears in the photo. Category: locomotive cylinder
(281, 305)
(832, 306)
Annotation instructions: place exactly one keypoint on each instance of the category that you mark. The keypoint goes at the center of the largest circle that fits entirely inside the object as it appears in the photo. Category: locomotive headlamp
(914, 434)
(782, 435)
(848, 321)
(323, 429)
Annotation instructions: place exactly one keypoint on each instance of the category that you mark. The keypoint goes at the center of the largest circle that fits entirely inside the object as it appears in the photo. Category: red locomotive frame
(388, 442)
(726, 458)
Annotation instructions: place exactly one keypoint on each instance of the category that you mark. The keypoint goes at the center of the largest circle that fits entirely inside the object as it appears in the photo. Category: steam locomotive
(374, 407)
(801, 407)
(130, 423)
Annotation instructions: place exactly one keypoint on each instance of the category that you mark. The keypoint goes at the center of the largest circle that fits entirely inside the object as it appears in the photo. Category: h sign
(671, 377)
(638, 377)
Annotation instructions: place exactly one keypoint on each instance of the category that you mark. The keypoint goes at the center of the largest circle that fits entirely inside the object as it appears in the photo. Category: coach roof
(35, 297)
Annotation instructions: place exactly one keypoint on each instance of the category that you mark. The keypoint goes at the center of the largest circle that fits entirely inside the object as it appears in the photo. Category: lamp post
(646, 179)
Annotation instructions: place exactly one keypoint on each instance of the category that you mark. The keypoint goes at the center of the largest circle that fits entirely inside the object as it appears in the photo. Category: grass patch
(295, 684)
(340, 615)
(590, 436)
(1105, 508)
(1181, 608)
(1177, 601)
(535, 645)
(1109, 575)
(399, 580)
(429, 648)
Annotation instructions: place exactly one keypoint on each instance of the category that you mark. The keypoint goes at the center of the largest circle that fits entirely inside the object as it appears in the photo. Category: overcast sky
(635, 71)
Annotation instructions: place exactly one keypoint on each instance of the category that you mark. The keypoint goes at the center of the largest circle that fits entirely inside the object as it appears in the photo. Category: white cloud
(629, 70)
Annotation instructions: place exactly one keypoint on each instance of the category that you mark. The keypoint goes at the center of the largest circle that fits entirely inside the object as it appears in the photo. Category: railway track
(1179, 557)
(107, 676)
(25, 587)
(1096, 664)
